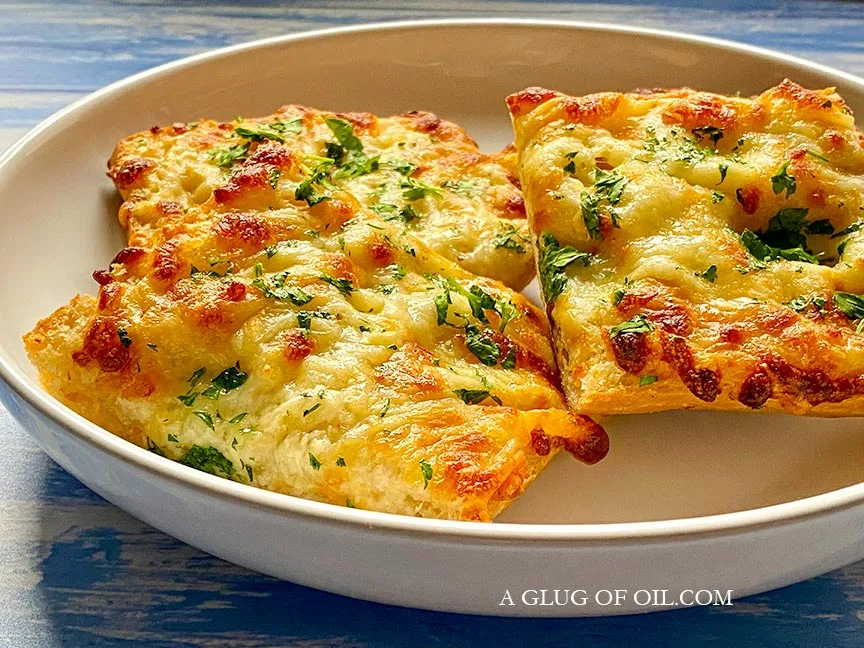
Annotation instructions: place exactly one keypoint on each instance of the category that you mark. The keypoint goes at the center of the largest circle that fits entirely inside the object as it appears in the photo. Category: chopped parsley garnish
(349, 503)
(273, 177)
(259, 133)
(208, 459)
(304, 318)
(335, 152)
(291, 126)
(475, 396)
(230, 379)
(509, 238)
(237, 418)
(478, 300)
(224, 158)
(307, 412)
(340, 461)
(677, 147)
(710, 132)
(387, 211)
(172, 438)
(723, 167)
(647, 380)
(152, 346)
(850, 304)
(212, 392)
(781, 181)
(708, 275)
(818, 156)
(784, 238)
(570, 167)
(199, 275)
(763, 252)
(397, 271)
(344, 132)
(155, 449)
(271, 251)
(205, 417)
(125, 340)
(786, 226)
(689, 151)
(484, 348)
(509, 361)
(462, 187)
(248, 470)
(553, 260)
(344, 286)
(442, 304)
(348, 155)
(591, 214)
(385, 409)
(188, 399)
(618, 295)
(402, 167)
(507, 311)
(313, 461)
(820, 227)
(801, 303)
(405, 215)
(842, 248)
(414, 190)
(854, 227)
(717, 196)
(608, 186)
(275, 288)
(356, 164)
(309, 189)
(426, 471)
(637, 324)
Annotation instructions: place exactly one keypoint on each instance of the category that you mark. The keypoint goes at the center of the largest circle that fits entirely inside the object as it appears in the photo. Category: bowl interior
(58, 223)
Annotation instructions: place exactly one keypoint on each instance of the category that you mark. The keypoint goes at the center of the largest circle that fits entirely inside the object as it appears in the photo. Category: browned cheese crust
(289, 338)
(421, 173)
(699, 250)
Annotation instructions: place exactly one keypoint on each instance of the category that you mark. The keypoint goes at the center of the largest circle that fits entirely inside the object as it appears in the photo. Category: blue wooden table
(75, 571)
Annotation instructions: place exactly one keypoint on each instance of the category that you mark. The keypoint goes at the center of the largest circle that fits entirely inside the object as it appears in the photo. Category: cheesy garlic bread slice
(423, 174)
(318, 351)
(698, 250)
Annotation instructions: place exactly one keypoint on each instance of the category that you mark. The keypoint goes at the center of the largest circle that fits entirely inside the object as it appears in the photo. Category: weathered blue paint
(75, 571)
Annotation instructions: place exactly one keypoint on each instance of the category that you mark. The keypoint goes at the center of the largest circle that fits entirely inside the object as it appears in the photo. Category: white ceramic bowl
(684, 500)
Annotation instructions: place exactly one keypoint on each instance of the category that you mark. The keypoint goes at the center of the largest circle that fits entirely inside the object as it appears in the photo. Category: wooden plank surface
(75, 571)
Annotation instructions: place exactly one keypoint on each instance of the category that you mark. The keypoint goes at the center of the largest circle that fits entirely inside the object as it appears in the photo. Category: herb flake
(208, 459)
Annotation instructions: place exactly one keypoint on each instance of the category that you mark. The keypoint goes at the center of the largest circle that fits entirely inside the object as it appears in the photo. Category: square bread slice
(319, 351)
(698, 250)
(419, 172)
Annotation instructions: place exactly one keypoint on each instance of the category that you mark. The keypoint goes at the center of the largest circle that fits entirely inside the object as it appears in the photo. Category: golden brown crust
(671, 197)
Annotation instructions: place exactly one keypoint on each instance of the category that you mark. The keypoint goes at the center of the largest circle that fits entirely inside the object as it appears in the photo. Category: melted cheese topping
(316, 351)
(672, 198)
(423, 174)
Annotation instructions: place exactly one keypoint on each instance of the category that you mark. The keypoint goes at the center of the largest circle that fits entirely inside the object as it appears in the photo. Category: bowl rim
(291, 506)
